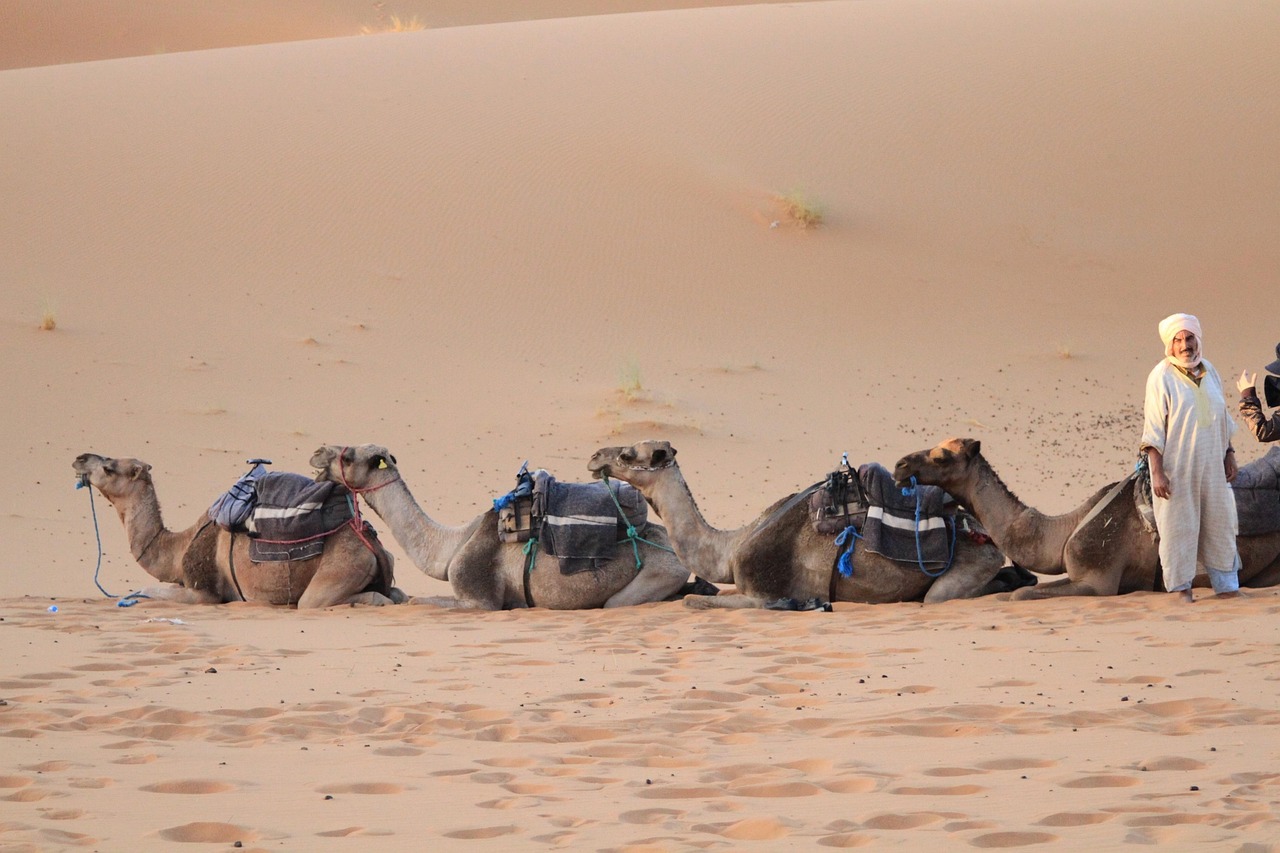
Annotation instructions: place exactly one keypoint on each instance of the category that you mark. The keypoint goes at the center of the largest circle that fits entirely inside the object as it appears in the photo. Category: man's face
(1186, 346)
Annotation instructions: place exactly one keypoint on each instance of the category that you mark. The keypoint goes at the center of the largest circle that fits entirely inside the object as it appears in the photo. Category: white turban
(1169, 328)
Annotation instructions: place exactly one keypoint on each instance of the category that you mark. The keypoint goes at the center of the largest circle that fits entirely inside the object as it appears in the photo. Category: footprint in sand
(68, 839)
(1102, 781)
(901, 821)
(1012, 839)
(750, 829)
(362, 788)
(483, 832)
(203, 832)
(1074, 819)
(939, 790)
(189, 786)
(650, 816)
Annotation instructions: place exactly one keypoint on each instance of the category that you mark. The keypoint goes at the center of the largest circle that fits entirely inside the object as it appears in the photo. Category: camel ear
(393, 459)
(322, 457)
(139, 470)
(972, 447)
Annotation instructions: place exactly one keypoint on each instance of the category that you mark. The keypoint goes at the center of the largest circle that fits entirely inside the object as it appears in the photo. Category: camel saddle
(915, 528)
(293, 515)
(579, 523)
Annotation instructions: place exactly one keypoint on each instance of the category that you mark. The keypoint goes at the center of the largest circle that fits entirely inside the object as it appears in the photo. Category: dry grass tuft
(630, 385)
(801, 210)
(395, 24)
(1065, 351)
(48, 318)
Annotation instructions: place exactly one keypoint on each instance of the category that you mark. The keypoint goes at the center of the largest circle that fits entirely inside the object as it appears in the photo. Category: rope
(123, 600)
(845, 564)
(632, 535)
(912, 490)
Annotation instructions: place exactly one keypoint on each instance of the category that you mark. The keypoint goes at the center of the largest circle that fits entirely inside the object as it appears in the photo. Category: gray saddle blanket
(293, 515)
(581, 525)
(1257, 491)
(891, 528)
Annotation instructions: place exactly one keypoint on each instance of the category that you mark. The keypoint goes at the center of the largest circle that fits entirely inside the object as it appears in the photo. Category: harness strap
(1106, 501)
(231, 563)
(531, 553)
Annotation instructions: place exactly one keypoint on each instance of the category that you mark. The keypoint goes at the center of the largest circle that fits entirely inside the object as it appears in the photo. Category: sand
(525, 232)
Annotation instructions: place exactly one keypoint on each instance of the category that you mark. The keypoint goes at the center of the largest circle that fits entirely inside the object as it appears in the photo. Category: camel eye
(659, 456)
(627, 455)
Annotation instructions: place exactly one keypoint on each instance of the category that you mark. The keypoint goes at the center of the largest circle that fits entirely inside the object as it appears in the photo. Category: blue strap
(907, 491)
(851, 536)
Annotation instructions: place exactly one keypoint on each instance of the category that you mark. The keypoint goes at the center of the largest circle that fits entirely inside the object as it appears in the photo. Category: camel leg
(1061, 588)
(341, 583)
(180, 594)
(651, 584)
(733, 601)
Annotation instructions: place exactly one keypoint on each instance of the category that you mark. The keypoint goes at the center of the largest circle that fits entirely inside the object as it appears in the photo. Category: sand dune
(526, 232)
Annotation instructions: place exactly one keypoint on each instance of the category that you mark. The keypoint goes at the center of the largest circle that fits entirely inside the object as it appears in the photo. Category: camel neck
(150, 542)
(703, 549)
(429, 544)
(1025, 535)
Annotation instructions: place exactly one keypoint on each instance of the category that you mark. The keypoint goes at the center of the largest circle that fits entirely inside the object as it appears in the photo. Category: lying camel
(486, 573)
(205, 565)
(1107, 552)
(781, 558)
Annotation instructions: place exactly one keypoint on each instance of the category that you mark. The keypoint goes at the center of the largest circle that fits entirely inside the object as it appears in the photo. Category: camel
(205, 564)
(1102, 545)
(780, 559)
(484, 572)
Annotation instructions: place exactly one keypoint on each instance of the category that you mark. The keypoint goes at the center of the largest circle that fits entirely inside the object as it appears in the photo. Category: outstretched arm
(1264, 428)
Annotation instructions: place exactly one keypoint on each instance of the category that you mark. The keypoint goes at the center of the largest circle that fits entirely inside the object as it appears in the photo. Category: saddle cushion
(580, 521)
(892, 529)
(293, 515)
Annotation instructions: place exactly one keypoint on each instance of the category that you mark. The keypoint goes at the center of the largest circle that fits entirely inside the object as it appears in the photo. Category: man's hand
(1246, 382)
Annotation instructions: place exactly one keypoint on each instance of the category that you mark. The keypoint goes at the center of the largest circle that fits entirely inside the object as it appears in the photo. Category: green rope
(531, 551)
(632, 535)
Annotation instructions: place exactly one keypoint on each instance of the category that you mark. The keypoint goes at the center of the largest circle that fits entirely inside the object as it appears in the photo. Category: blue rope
(121, 601)
(908, 491)
(845, 564)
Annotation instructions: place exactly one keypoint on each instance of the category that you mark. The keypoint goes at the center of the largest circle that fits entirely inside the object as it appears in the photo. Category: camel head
(360, 468)
(638, 465)
(943, 465)
(114, 478)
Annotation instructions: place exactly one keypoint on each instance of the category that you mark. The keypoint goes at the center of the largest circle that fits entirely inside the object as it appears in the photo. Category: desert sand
(524, 232)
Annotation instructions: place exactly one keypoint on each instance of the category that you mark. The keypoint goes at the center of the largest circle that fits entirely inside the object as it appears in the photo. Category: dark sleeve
(1266, 429)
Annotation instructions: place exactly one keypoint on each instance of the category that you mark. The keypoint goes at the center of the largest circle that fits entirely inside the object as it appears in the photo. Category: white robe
(1191, 427)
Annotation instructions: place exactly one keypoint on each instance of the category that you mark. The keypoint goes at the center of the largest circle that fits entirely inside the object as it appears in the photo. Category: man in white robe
(1187, 437)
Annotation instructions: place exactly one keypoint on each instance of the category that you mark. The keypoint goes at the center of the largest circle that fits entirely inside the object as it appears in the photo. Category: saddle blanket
(580, 522)
(892, 530)
(1257, 492)
(293, 515)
